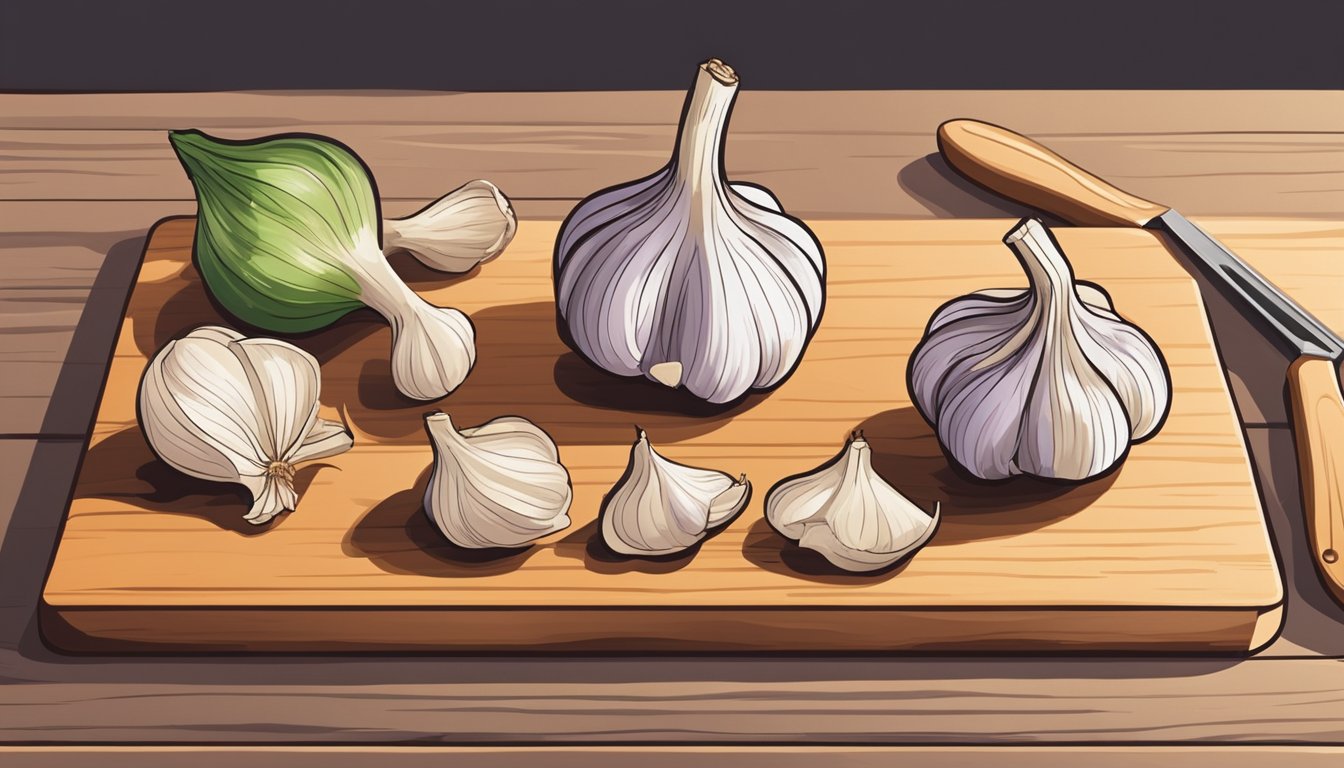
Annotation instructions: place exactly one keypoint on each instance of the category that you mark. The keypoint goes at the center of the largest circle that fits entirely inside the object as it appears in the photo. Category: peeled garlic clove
(287, 240)
(1047, 382)
(468, 226)
(660, 507)
(847, 513)
(217, 406)
(497, 485)
(686, 279)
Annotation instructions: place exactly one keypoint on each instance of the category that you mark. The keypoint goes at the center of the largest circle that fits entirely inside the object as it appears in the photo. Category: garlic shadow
(586, 544)
(175, 306)
(124, 468)
(766, 548)
(397, 536)
(585, 383)
(906, 454)
(417, 275)
(517, 351)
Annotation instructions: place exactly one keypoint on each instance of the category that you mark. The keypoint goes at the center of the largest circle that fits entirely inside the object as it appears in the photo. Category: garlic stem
(700, 142)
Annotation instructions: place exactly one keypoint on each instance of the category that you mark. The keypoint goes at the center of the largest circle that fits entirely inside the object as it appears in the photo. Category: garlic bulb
(287, 240)
(1049, 381)
(468, 226)
(686, 279)
(220, 407)
(660, 507)
(497, 485)
(846, 512)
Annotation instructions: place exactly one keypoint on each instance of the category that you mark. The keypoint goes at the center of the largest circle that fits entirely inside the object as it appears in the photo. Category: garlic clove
(286, 414)
(847, 513)
(661, 507)
(433, 350)
(196, 409)
(1049, 381)
(497, 485)
(220, 407)
(687, 279)
(1126, 358)
(757, 195)
(981, 402)
(468, 226)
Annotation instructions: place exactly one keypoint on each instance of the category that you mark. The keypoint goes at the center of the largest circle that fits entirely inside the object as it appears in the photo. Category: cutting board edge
(1236, 630)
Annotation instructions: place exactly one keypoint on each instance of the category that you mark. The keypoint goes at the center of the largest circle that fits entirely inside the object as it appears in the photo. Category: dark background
(174, 45)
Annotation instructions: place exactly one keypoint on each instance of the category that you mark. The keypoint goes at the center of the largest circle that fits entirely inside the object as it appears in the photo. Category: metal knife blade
(1304, 334)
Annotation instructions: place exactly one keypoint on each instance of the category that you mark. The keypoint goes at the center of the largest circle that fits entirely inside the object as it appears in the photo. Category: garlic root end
(667, 374)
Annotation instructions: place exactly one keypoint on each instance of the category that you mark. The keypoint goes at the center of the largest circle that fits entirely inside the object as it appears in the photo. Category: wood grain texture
(151, 559)
(745, 699)
(748, 700)
(833, 154)
(676, 757)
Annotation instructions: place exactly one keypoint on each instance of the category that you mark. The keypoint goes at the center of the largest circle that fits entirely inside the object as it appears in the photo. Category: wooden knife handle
(1018, 168)
(1318, 430)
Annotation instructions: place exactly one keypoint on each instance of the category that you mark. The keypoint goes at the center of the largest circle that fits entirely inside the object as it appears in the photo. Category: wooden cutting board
(1170, 553)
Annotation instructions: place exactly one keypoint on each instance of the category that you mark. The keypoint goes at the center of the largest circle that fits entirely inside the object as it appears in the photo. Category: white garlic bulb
(660, 507)
(497, 485)
(468, 226)
(847, 513)
(1049, 381)
(686, 279)
(220, 407)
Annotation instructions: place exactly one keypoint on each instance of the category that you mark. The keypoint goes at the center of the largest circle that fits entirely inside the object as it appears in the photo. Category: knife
(1018, 168)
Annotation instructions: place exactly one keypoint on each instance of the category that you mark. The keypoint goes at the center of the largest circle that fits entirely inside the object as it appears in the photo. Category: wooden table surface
(82, 177)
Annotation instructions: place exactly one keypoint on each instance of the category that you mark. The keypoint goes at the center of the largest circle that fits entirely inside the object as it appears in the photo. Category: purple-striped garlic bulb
(685, 278)
(1048, 382)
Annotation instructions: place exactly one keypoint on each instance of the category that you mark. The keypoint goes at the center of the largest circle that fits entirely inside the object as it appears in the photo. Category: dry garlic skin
(497, 485)
(1048, 382)
(686, 279)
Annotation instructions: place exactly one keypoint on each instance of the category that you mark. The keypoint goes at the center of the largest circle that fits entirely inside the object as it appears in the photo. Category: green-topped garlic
(660, 507)
(847, 513)
(1047, 381)
(686, 279)
(287, 239)
(220, 407)
(497, 485)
